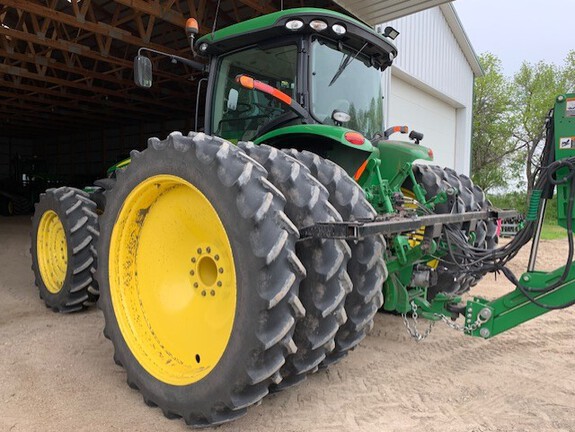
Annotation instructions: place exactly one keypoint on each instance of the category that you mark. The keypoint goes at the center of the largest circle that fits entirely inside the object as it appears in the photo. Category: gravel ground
(57, 373)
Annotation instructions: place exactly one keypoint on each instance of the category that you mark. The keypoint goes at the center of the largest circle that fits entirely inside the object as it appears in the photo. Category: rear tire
(326, 285)
(452, 279)
(485, 230)
(366, 266)
(247, 243)
(64, 233)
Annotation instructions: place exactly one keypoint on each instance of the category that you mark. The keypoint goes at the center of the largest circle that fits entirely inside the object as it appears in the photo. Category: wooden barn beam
(166, 13)
(100, 28)
(81, 50)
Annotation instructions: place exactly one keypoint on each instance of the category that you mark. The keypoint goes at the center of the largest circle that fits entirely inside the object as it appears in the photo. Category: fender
(394, 155)
(327, 141)
(333, 133)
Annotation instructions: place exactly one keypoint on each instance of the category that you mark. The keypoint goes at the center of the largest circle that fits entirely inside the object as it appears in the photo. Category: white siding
(431, 59)
(429, 52)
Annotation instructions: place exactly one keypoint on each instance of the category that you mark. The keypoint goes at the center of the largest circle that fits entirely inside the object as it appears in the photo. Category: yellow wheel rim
(52, 251)
(172, 280)
(416, 237)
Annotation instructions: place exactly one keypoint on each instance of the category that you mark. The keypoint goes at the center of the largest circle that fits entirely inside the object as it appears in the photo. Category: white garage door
(427, 114)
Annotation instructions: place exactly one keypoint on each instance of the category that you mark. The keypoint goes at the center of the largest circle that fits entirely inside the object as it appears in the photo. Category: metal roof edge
(456, 27)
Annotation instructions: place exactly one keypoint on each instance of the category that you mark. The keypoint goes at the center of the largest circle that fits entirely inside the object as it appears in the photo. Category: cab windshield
(344, 80)
(241, 114)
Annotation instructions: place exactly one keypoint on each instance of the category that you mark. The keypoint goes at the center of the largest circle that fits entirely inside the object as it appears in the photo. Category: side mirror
(143, 71)
(233, 100)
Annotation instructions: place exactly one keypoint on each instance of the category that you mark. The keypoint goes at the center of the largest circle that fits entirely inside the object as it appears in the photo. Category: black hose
(476, 261)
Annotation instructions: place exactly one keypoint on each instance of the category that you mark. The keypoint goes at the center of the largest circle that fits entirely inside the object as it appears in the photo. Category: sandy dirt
(57, 373)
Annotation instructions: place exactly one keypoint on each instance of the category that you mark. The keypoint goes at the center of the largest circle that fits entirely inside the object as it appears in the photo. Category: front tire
(199, 278)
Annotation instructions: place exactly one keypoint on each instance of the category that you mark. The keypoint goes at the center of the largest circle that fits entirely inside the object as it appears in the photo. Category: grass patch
(553, 232)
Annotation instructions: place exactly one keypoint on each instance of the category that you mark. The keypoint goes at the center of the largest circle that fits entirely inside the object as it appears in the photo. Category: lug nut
(219, 283)
(195, 285)
(208, 249)
(216, 257)
(199, 250)
(221, 270)
(212, 292)
(204, 293)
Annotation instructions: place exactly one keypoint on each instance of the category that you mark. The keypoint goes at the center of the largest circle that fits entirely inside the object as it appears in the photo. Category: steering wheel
(267, 109)
(245, 107)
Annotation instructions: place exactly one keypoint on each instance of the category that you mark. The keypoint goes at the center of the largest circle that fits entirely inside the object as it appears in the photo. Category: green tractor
(238, 260)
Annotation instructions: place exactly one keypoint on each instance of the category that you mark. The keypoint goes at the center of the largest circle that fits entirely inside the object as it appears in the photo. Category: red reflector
(430, 153)
(355, 138)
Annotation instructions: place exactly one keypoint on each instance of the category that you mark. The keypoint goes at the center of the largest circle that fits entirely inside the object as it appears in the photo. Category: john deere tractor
(236, 261)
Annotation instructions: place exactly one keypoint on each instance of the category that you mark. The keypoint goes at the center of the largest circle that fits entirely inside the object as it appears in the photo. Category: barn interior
(69, 107)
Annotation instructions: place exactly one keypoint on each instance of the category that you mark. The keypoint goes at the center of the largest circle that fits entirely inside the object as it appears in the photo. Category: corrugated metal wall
(429, 52)
(431, 59)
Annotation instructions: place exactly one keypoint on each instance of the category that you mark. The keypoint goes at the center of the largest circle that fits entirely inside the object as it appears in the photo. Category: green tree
(536, 87)
(493, 122)
(569, 71)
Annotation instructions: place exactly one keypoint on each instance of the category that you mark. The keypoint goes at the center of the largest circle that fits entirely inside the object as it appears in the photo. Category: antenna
(215, 18)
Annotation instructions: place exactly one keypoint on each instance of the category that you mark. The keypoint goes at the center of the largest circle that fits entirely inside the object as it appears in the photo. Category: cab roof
(267, 27)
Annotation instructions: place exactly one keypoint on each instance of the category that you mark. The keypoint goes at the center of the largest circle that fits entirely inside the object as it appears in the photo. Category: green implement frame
(489, 318)
(537, 292)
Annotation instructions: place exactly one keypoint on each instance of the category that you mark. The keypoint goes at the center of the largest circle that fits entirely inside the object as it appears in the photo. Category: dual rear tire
(464, 196)
(207, 297)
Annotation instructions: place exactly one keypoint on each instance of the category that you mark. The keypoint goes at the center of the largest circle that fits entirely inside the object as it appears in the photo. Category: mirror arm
(191, 63)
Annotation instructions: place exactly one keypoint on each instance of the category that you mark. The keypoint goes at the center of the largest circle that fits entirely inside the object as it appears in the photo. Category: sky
(519, 30)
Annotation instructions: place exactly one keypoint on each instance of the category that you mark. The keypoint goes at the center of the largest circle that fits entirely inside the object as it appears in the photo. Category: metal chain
(414, 331)
(418, 336)
(454, 325)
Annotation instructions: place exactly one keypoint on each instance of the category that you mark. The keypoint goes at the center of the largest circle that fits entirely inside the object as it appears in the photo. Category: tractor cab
(303, 78)
(291, 68)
